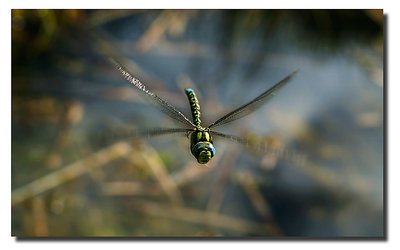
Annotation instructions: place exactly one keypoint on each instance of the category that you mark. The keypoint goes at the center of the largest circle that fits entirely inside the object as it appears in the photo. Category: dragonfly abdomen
(194, 106)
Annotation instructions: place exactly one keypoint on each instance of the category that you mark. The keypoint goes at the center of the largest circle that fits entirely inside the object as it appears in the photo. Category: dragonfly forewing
(151, 97)
(253, 105)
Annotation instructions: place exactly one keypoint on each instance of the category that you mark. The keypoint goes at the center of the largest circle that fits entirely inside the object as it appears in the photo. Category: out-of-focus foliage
(67, 182)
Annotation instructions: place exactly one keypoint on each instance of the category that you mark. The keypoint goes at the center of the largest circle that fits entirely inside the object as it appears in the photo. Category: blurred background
(68, 180)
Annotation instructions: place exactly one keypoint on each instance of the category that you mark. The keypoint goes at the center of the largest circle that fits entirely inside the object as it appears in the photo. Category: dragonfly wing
(263, 147)
(253, 105)
(234, 138)
(107, 135)
(162, 105)
(164, 131)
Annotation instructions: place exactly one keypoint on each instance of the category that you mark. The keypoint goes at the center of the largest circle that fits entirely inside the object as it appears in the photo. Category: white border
(390, 9)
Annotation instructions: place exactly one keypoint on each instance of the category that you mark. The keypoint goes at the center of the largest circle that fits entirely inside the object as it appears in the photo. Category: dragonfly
(201, 138)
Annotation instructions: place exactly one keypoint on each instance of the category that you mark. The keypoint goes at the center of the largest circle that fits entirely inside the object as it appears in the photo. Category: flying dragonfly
(201, 138)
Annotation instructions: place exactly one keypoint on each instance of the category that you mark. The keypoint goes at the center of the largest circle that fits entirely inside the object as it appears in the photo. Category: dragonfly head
(203, 151)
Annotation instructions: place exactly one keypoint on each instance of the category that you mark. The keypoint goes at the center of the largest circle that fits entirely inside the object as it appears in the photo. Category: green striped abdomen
(194, 106)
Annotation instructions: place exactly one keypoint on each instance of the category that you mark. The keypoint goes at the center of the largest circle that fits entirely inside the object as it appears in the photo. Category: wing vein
(253, 105)
(161, 104)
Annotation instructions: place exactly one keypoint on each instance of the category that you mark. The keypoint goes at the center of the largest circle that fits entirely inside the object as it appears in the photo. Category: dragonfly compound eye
(204, 157)
(203, 151)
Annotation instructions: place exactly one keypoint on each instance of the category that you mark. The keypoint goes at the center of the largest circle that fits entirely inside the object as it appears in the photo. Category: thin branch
(69, 172)
(159, 171)
(249, 184)
(201, 217)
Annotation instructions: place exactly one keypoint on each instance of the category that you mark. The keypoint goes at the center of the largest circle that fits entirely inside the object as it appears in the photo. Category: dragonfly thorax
(201, 145)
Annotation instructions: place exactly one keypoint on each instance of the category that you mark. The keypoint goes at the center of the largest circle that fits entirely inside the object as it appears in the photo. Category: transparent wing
(234, 138)
(162, 105)
(163, 131)
(108, 135)
(253, 105)
(264, 148)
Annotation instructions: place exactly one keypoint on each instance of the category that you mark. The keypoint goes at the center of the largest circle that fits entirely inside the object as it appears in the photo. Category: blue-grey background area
(68, 179)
